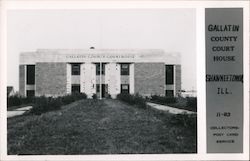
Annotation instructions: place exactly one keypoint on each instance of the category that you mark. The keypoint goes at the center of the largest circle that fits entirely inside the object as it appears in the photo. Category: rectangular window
(124, 88)
(30, 74)
(124, 69)
(30, 93)
(169, 74)
(75, 69)
(75, 88)
(98, 69)
(169, 93)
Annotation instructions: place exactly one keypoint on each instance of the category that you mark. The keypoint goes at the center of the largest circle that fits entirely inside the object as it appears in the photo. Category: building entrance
(103, 91)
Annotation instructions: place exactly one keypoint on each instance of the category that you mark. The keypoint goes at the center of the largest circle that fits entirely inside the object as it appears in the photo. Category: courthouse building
(104, 72)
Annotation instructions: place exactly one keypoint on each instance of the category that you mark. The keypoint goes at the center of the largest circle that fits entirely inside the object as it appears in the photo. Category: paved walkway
(18, 111)
(169, 109)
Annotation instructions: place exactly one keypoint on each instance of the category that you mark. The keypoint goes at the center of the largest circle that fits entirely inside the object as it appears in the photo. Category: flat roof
(100, 55)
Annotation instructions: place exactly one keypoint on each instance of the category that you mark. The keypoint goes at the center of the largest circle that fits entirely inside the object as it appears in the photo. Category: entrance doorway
(103, 92)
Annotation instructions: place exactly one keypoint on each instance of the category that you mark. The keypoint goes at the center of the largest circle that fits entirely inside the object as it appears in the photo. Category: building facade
(104, 72)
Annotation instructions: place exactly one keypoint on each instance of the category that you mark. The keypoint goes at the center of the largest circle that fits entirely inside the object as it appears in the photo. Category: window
(30, 74)
(75, 69)
(169, 93)
(98, 68)
(30, 93)
(124, 88)
(169, 74)
(75, 88)
(124, 69)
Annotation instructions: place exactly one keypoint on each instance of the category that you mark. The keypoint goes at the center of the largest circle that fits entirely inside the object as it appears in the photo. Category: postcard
(135, 80)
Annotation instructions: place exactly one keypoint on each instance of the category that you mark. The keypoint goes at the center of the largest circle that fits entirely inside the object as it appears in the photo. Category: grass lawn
(101, 127)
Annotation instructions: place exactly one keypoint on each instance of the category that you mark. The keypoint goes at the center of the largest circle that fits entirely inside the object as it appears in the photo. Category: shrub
(109, 96)
(43, 104)
(79, 96)
(163, 99)
(67, 99)
(55, 103)
(17, 100)
(94, 96)
(132, 99)
(73, 97)
(126, 98)
(27, 100)
(13, 101)
(192, 103)
(140, 101)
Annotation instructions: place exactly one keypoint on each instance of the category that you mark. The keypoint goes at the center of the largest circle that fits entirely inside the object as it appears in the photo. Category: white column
(108, 78)
(25, 80)
(112, 78)
(118, 78)
(90, 79)
(100, 83)
(68, 82)
(174, 75)
(132, 78)
(93, 78)
(82, 78)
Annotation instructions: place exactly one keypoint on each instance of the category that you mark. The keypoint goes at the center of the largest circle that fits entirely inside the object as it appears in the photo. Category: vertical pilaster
(68, 75)
(178, 79)
(22, 80)
(93, 78)
(90, 79)
(118, 78)
(108, 78)
(132, 78)
(82, 78)
(174, 75)
(100, 83)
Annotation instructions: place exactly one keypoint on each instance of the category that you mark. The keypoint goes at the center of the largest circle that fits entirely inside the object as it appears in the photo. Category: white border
(199, 5)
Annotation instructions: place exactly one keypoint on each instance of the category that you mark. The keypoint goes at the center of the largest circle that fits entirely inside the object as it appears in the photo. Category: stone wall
(51, 79)
(149, 78)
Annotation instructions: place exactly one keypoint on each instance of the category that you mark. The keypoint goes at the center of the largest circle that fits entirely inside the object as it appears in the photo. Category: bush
(79, 96)
(44, 104)
(17, 100)
(109, 96)
(13, 101)
(41, 105)
(73, 97)
(94, 96)
(55, 103)
(67, 99)
(192, 103)
(132, 99)
(163, 99)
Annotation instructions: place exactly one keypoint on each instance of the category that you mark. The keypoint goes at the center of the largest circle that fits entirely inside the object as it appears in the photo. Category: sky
(170, 29)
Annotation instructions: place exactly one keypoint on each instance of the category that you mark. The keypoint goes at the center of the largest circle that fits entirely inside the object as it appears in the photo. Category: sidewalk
(18, 111)
(169, 109)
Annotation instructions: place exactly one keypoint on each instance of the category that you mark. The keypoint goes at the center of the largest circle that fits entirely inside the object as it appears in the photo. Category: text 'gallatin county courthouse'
(105, 72)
